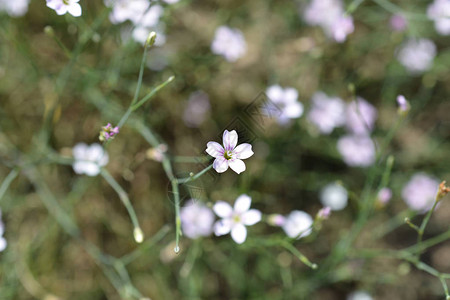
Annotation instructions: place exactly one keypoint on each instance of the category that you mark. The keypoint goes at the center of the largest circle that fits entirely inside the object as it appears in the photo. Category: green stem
(196, 176)
(7, 182)
(176, 196)
(124, 198)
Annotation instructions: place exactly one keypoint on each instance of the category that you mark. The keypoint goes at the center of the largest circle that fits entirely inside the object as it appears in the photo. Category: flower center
(228, 155)
(237, 219)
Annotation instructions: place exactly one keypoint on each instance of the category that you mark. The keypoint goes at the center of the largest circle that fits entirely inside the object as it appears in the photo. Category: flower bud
(151, 39)
(138, 235)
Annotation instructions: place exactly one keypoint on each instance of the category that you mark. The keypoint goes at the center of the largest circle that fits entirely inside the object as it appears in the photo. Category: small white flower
(229, 155)
(127, 10)
(196, 219)
(235, 219)
(286, 103)
(298, 224)
(65, 6)
(229, 43)
(334, 196)
(439, 12)
(359, 295)
(14, 8)
(89, 159)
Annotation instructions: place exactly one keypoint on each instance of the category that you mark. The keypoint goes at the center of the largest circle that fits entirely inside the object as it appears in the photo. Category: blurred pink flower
(403, 104)
(330, 15)
(384, 195)
(196, 219)
(420, 192)
(229, 155)
(398, 22)
(417, 55)
(286, 103)
(276, 220)
(235, 219)
(357, 150)
(298, 224)
(324, 213)
(229, 42)
(197, 109)
(326, 113)
(14, 8)
(360, 117)
(65, 6)
(439, 12)
(342, 27)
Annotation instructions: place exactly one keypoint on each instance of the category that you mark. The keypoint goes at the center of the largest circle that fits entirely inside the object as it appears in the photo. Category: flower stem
(125, 200)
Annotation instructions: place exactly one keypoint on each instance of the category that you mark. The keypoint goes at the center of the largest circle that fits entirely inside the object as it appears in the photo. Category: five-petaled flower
(229, 155)
(63, 6)
(235, 219)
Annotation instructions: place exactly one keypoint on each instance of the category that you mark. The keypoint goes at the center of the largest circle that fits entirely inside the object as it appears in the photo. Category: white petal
(242, 203)
(214, 149)
(243, 151)
(75, 9)
(294, 110)
(290, 95)
(95, 152)
(239, 233)
(3, 244)
(220, 164)
(223, 209)
(251, 217)
(222, 227)
(230, 139)
(237, 165)
(79, 151)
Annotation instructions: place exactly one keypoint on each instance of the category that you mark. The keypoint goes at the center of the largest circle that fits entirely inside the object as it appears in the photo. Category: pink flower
(420, 192)
(196, 219)
(326, 113)
(384, 196)
(235, 219)
(229, 42)
(417, 55)
(403, 104)
(342, 27)
(324, 213)
(357, 151)
(197, 109)
(361, 116)
(229, 155)
(65, 6)
(398, 22)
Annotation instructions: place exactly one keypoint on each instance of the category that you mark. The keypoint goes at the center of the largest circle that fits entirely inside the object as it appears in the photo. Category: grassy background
(50, 101)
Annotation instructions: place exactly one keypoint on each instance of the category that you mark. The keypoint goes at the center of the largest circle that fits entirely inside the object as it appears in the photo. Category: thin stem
(130, 257)
(196, 176)
(123, 197)
(425, 223)
(151, 94)
(7, 182)
(288, 246)
(176, 195)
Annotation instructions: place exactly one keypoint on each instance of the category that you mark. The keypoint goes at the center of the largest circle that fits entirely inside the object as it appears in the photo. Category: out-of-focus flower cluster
(143, 14)
(197, 219)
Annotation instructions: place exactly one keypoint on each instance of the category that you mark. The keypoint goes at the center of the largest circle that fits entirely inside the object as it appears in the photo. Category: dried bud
(324, 213)
(443, 190)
